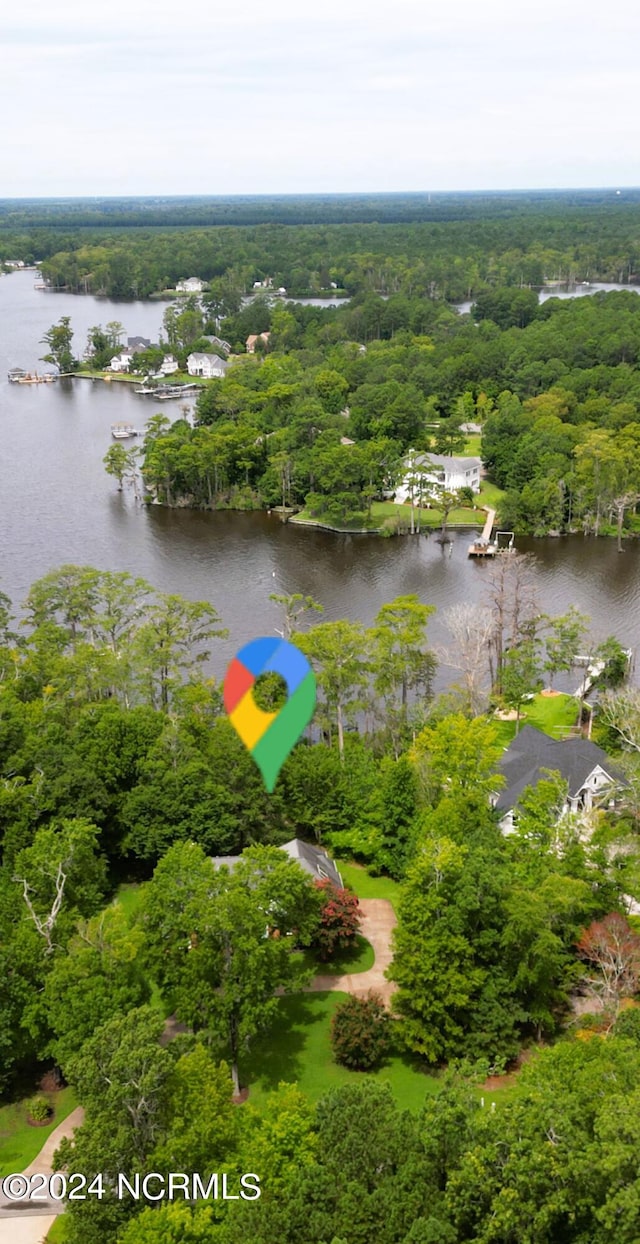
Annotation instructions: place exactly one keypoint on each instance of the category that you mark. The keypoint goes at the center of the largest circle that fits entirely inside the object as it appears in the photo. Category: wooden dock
(482, 546)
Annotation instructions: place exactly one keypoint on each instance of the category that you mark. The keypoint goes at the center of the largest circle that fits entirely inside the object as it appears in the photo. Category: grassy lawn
(462, 516)
(298, 1050)
(56, 1233)
(490, 494)
(472, 446)
(554, 714)
(366, 886)
(128, 898)
(358, 958)
(20, 1143)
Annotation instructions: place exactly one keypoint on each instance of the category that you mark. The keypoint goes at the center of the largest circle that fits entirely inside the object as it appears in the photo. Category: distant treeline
(296, 209)
(442, 247)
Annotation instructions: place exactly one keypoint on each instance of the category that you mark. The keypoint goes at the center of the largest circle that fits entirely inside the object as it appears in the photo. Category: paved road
(29, 1225)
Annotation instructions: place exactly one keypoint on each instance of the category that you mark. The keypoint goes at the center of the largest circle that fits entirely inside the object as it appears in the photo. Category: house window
(322, 873)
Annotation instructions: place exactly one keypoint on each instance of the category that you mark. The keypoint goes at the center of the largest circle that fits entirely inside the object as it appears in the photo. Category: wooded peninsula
(319, 409)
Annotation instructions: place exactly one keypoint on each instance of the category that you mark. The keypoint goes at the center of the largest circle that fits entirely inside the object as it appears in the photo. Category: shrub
(339, 920)
(39, 1109)
(360, 1032)
(628, 1024)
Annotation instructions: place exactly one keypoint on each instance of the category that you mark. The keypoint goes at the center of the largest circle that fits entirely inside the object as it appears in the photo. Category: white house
(429, 473)
(169, 364)
(121, 361)
(589, 773)
(207, 365)
(191, 285)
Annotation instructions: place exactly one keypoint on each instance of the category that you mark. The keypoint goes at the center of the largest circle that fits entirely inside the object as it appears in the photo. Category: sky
(284, 96)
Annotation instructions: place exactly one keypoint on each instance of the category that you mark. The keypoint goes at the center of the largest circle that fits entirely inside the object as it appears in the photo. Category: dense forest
(449, 247)
(118, 765)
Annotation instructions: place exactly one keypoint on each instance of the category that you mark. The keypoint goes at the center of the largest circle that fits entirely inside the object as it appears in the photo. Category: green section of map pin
(281, 737)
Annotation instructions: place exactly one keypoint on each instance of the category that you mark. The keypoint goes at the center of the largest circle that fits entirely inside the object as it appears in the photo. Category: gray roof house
(438, 471)
(217, 341)
(585, 767)
(208, 365)
(312, 859)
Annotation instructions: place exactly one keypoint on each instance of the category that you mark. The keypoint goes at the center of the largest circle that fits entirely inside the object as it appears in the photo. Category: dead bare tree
(613, 949)
(45, 924)
(511, 597)
(472, 628)
(620, 711)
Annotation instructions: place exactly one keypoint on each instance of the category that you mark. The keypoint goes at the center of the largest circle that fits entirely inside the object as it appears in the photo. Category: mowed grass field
(20, 1143)
(554, 714)
(297, 1050)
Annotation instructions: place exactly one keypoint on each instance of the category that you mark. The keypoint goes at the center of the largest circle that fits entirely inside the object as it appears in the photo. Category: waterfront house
(429, 474)
(253, 338)
(207, 365)
(122, 361)
(169, 365)
(591, 777)
(138, 344)
(190, 285)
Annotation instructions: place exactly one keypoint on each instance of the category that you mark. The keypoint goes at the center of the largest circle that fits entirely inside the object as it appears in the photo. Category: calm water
(58, 505)
(562, 291)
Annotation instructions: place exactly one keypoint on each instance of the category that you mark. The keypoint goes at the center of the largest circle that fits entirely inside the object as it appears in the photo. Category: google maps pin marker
(269, 737)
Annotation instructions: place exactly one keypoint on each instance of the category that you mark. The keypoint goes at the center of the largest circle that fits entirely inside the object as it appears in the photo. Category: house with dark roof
(312, 859)
(590, 775)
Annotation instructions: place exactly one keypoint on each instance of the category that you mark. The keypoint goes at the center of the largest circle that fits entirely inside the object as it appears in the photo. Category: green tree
(60, 876)
(122, 1076)
(521, 675)
(219, 941)
(564, 641)
(121, 463)
(170, 641)
(457, 757)
(339, 654)
(402, 662)
(58, 338)
(100, 977)
(202, 1129)
(294, 606)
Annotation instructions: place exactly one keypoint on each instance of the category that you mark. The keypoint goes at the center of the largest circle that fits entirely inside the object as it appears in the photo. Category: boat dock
(18, 376)
(482, 546)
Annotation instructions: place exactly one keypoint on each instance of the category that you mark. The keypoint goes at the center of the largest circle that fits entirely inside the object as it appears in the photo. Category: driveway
(379, 920)
(30, 1225)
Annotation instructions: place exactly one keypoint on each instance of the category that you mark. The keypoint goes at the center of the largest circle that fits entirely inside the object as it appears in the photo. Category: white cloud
(145, 97)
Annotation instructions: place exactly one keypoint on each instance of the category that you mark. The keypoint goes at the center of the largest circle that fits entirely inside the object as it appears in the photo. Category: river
(58, 505)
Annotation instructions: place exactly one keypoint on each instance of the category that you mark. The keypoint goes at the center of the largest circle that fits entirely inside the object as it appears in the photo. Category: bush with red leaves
(360, 1032)
(339, 920)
